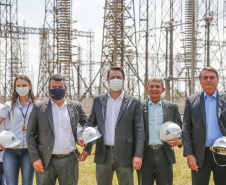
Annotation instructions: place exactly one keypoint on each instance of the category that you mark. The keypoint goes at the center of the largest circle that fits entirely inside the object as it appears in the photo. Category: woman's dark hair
(15, 95)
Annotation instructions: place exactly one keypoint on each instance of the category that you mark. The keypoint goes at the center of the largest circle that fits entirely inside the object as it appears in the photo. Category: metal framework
(147, 39)
(57, 49)
(38, 31)
(10, 51)
(57, 57)
(176, 39)
(119, 47)
(91, 56)
(168, 47)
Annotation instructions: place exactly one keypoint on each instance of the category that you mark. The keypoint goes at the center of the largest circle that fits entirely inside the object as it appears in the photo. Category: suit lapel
(71, 112)
(50, 114)
(104, 104)
(123, 106)
(202, 107)
(220, 101)
(164, 109)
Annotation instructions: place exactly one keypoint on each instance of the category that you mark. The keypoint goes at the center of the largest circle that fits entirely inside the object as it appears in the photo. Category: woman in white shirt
(18, 110)
(3, 126)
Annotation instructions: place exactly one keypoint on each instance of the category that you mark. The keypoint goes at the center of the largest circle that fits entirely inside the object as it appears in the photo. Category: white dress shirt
(17, 120)
(64, 139)
(112, 111)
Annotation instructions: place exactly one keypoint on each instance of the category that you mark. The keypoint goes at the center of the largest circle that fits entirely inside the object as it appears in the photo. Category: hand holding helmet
(90, 134)
(170, 132)
(219, 148)
(8, 139)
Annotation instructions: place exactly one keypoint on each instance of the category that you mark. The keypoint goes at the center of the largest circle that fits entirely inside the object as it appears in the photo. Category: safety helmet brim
(13, 144)
(93, 139)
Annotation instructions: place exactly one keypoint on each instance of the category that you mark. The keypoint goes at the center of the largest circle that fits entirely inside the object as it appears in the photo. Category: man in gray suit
(158, 155)
(202, 125)
(51, 136)
(118, 117)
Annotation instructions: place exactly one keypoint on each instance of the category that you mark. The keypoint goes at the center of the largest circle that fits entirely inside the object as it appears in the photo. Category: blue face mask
(57, 93)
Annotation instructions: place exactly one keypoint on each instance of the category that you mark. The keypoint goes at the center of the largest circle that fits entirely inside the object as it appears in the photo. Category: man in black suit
(51, 136)
(158, 155)
(201, 127)
(118, 117)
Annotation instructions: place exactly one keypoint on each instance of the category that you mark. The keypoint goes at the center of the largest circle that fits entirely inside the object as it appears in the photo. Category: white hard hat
(90, 134)
(219, 146)
(170, 130)
(8, 139)
(79, 131)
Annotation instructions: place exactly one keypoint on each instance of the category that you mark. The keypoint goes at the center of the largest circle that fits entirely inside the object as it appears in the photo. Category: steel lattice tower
(119, 46)
(9, 46)
(56, 46)
(223, 64)
(147, 40)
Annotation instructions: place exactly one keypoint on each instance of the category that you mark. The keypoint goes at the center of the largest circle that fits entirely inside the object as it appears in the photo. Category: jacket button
(48, 148)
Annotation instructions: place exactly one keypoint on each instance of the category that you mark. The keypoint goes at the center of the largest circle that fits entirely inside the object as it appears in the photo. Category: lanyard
(26, 112)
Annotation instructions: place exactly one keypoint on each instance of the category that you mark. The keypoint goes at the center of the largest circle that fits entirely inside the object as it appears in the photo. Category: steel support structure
(57, 57)
(147, 40)
(10, 51)
(90, 59)
(119, 38)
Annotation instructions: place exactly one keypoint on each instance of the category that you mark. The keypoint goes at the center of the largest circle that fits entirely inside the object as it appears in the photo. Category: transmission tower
(9, 46)
(223, 64)
(147, 40)
(56, 46)
(189, 45)
(210, 40)
(91, 56)
(119, 47)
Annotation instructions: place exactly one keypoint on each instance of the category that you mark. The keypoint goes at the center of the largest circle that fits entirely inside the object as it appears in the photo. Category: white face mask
(22, 91)
(116, 84)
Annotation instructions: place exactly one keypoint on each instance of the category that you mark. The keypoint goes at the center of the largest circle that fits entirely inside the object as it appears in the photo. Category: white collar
(19, 104)
(121, 95)
(64, 104)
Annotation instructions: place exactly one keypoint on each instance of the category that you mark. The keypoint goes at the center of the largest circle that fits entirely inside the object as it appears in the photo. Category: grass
(182, 174)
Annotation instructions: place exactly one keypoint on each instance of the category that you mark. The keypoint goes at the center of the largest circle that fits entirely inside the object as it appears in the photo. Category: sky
(88, 14)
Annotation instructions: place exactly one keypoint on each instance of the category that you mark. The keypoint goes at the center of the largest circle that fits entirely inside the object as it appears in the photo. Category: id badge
(24, 127)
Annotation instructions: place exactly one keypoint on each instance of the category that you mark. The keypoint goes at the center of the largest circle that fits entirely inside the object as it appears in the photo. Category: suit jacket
(40, 131)
(129, 130)
(194, 124)
(170, 113)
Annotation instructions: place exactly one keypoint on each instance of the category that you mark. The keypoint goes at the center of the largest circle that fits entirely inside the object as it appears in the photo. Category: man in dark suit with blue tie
(202, 125)
(118, 117)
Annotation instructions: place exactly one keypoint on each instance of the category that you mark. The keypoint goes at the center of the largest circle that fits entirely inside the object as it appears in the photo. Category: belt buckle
(154, 147)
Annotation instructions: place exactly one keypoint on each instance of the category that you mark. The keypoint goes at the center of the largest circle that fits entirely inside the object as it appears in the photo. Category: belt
(155, 146)
(109, 147)
(60, 156)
